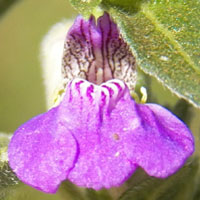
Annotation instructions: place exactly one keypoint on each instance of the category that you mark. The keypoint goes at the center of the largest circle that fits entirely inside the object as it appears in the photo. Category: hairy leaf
(85, 7)
(8, 180)
(164, 36)
(179, 186)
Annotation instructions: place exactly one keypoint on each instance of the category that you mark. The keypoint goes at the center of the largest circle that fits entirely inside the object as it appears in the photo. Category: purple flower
(98, 135)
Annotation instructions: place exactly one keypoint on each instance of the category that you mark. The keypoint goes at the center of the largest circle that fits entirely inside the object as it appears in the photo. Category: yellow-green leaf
(8, 180)
(86, 7)
(179, 186)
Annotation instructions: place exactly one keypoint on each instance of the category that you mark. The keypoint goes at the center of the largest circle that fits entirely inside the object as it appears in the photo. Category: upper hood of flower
(96, 52)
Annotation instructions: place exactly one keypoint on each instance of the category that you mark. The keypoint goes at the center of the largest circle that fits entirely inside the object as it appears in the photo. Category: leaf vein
(150, 15)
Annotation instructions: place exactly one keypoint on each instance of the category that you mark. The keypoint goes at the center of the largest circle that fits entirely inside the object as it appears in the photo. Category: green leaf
(5, 4)
(128, 6)
(86, 7)
(71, 191)
(98, 195)
(8, 180)
(180, 186)
(164, 37)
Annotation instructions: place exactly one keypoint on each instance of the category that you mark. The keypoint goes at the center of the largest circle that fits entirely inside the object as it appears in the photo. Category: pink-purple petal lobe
(101, 165)
(148, 136)
(42, 151)
(97, 137)
(162, 143)
(102, 161)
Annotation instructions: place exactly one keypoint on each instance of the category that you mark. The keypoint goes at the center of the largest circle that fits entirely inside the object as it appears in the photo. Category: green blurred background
(22, 27)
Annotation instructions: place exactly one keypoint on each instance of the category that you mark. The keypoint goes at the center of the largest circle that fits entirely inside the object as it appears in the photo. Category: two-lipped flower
(98, 135)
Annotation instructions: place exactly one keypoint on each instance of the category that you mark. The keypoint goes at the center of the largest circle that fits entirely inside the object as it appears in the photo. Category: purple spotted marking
(90, 90)
(78, 84)
(111, 92)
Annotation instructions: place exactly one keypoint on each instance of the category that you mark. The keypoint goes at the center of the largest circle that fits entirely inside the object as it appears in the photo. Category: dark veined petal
(162, 143)
(97, 52)
(42, 151)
